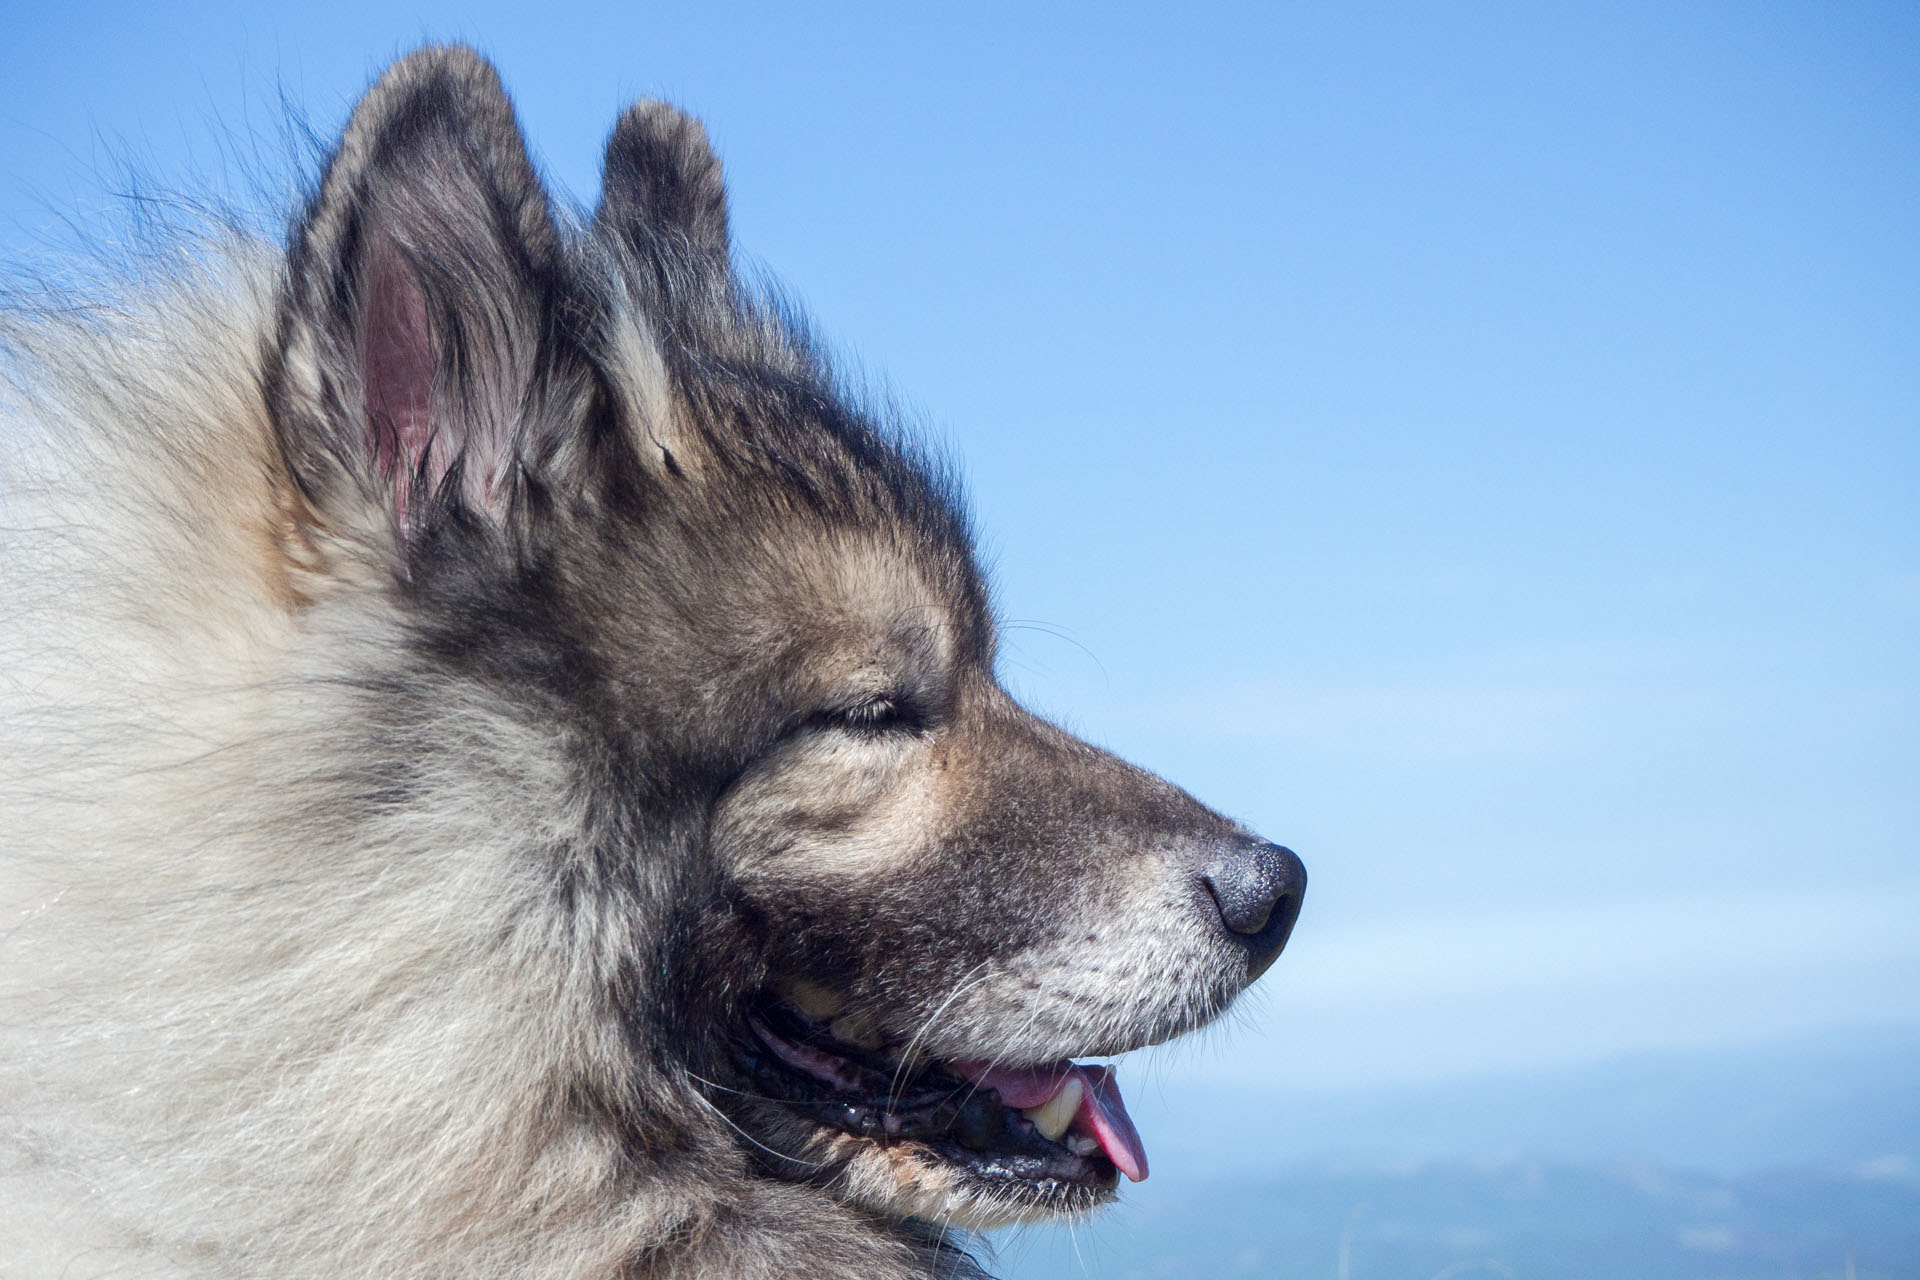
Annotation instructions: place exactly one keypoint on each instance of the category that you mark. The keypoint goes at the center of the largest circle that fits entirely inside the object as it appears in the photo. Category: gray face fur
(616, 614)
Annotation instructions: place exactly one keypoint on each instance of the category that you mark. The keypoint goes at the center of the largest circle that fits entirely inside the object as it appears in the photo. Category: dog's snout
(1252, 882)
(1257, 887)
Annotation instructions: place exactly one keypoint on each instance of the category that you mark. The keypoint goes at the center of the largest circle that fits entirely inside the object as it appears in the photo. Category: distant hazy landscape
(1793, 1159)
(1541, 1221)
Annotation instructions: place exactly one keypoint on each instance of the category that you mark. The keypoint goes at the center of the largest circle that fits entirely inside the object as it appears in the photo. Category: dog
(504, 774)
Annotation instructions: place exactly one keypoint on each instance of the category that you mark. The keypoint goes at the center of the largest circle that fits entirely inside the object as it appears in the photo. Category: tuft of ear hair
(431, 342)
(663, 183)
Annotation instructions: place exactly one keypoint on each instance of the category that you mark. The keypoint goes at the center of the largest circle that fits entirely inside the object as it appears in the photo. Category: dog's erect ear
(428, 352)
(663, 186)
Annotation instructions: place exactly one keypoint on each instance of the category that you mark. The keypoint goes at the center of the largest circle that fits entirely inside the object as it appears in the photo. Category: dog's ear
(663, 187)
(428, 354)
(663, 211)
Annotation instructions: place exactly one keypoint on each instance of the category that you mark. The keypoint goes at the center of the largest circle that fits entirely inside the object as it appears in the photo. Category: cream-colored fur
(233, 1041)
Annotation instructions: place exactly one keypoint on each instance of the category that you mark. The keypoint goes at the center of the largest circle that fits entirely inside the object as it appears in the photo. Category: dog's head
(825, 879)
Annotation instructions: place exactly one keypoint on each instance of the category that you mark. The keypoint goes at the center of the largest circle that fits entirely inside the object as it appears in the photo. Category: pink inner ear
(398, 361)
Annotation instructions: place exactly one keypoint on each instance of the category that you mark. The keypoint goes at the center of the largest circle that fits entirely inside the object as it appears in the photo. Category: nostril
(1241, 910)
(1253, 884)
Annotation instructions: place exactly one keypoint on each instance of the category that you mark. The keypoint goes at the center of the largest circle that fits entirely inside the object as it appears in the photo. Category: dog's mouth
(1053, 1132)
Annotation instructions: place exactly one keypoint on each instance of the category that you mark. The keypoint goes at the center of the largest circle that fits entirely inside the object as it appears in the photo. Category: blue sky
(1476, 444)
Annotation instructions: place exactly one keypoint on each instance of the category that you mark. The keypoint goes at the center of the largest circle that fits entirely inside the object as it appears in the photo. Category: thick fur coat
(501, 773)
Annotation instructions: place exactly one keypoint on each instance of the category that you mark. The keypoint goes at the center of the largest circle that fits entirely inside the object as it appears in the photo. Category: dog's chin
(965, 1144)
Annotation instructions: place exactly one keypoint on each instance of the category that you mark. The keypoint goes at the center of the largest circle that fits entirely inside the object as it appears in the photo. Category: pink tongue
(1102, 1114)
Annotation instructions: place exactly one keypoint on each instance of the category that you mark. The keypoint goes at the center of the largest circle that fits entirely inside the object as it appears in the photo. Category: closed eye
(878, 715)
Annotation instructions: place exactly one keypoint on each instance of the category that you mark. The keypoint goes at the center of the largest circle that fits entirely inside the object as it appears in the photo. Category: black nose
(1258, 887)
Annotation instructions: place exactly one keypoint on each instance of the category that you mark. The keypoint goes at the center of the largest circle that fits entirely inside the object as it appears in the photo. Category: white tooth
(856, 1028)
(1081, 1145)
(811, 998)
(1053, 1116)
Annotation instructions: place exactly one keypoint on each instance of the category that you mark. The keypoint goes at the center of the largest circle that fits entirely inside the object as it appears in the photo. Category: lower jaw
(916, 1180)
(944, 1152)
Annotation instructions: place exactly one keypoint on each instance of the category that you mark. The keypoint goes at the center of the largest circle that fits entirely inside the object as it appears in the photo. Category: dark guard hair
(540, 734)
